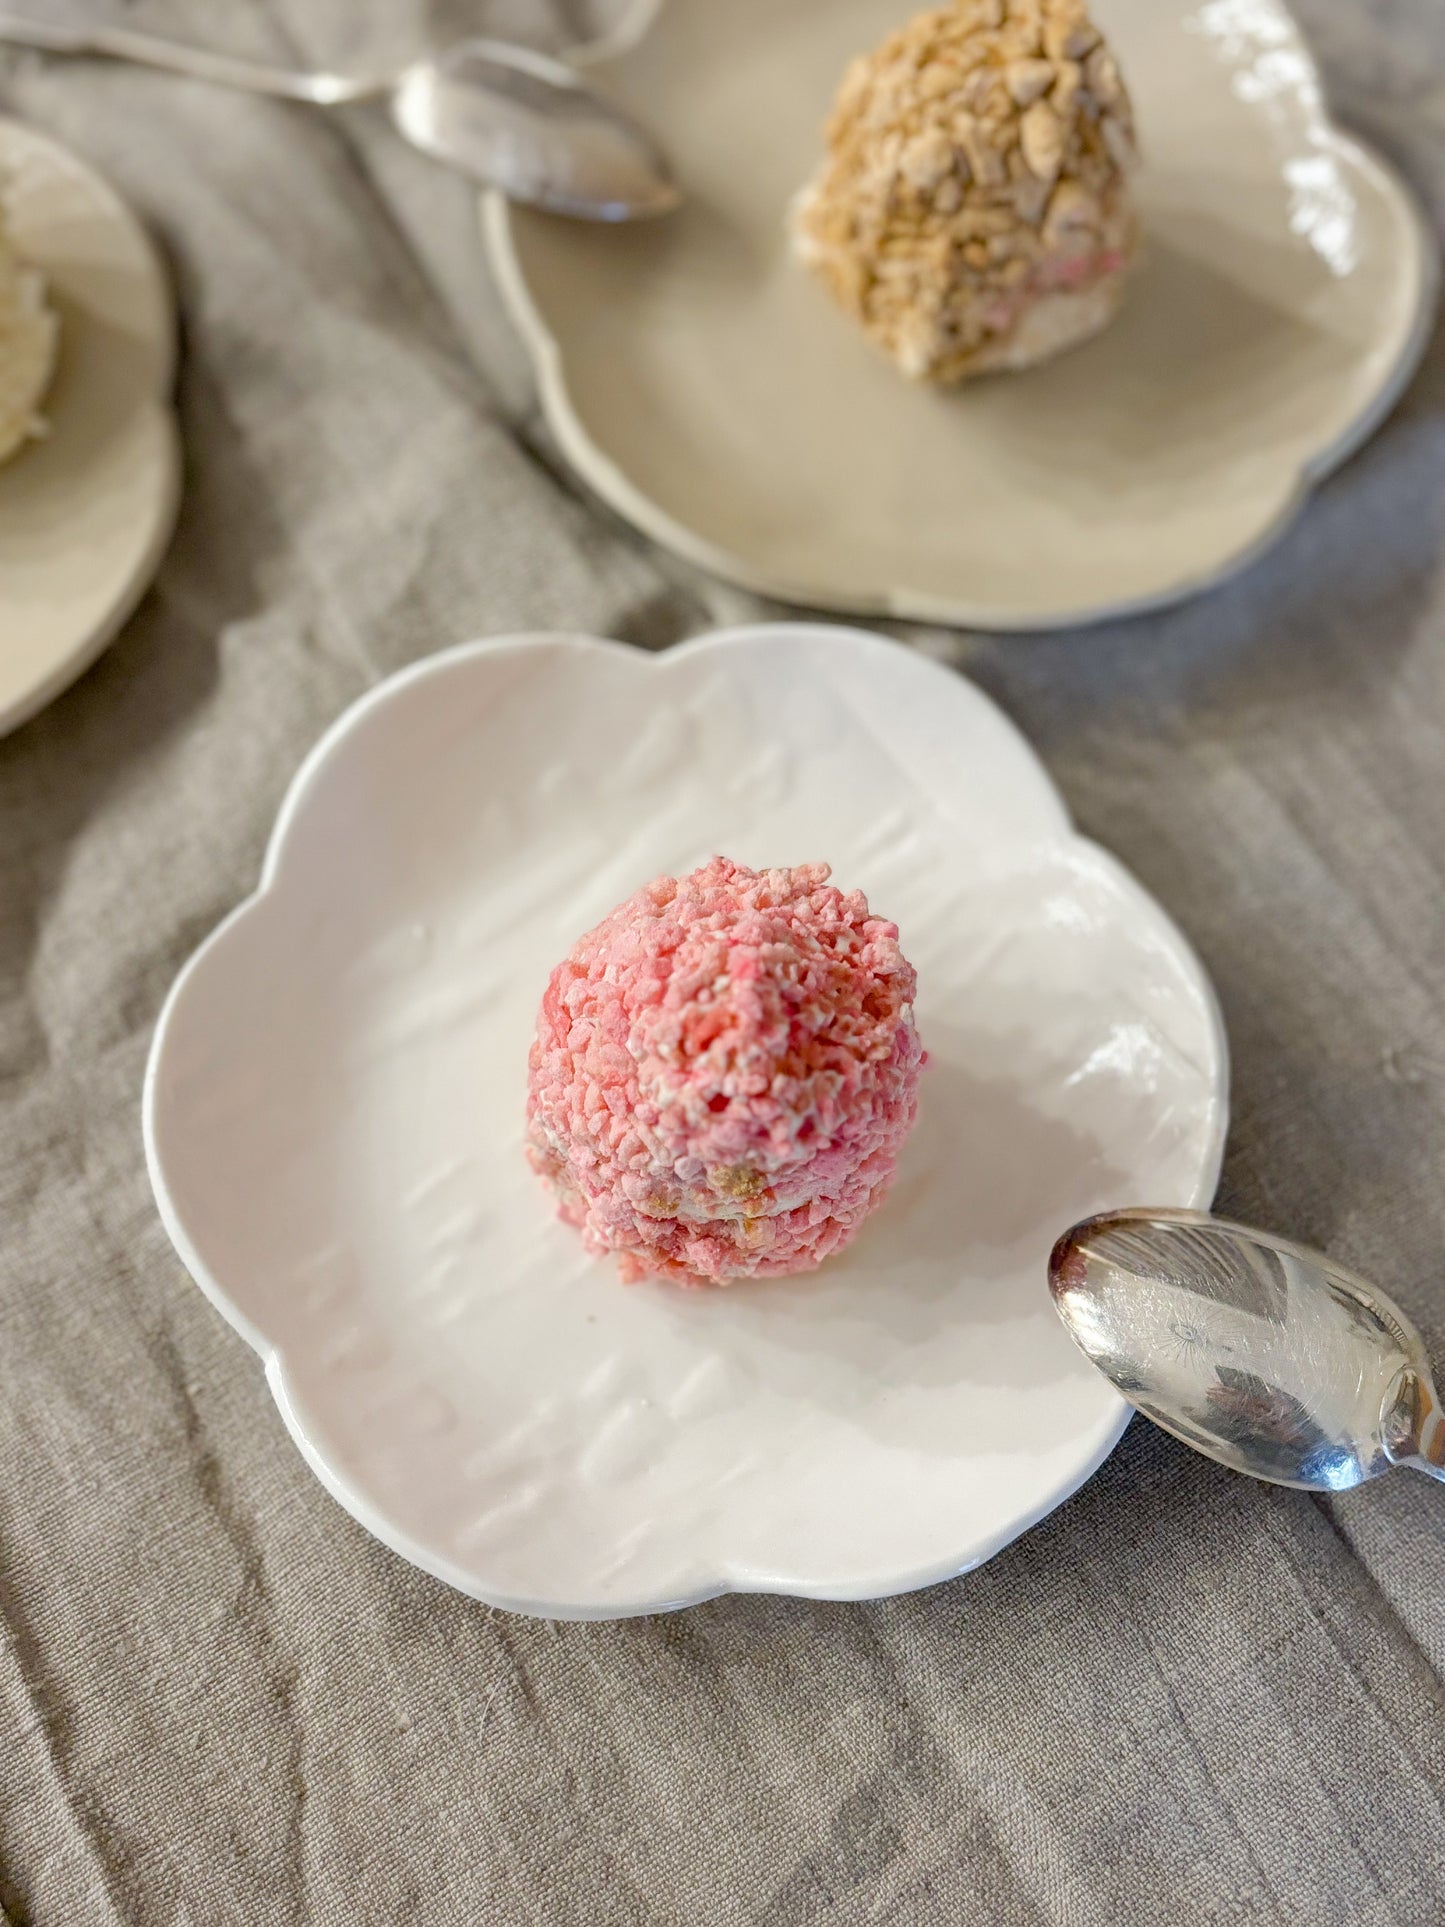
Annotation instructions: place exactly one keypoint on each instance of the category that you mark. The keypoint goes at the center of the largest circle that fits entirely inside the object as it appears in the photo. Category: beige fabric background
(1183, 1698)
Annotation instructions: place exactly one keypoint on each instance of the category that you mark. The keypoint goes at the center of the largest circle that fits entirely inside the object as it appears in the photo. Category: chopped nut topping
(1069, 35)
(1119, 140)
(1027, 79)
(976, 172)
(1101, 71)
(1071, 209)
(1065, 98)
(1042, 135)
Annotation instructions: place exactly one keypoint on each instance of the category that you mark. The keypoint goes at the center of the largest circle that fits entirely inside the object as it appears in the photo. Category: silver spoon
(506, 116)
(1270, 1358)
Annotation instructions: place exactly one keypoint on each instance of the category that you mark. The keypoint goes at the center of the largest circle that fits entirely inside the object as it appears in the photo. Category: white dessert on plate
(29, 338)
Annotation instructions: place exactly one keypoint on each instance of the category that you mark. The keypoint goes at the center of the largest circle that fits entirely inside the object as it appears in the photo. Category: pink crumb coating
(724, 1073)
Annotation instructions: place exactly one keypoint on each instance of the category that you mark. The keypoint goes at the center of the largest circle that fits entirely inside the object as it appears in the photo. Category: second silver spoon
(507, 117)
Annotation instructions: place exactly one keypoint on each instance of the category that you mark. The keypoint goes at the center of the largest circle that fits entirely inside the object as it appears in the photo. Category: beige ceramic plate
(706, 388)
(86, 513)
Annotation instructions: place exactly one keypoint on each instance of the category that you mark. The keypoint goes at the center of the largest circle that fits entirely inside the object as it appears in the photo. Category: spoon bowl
(1261, 1354)
(512, 118)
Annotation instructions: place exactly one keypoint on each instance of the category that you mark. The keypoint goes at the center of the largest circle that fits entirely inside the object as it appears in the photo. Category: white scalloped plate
(334, 1108)
(706, 388)
(85, 514)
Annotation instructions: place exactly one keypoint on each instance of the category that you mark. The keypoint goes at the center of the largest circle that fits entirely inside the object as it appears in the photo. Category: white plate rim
(375, 1521)
(613, 487)
(70, 664)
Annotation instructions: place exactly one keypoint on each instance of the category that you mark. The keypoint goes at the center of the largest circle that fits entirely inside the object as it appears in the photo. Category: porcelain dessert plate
(705, 386)
(85, 513)
(334, 1124)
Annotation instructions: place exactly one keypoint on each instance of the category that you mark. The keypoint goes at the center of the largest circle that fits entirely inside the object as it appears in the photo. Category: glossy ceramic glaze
(704, 385)
(86, 513)
(334, 1116)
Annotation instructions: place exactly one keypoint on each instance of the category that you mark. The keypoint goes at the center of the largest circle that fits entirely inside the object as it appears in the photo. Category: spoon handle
(197, 63)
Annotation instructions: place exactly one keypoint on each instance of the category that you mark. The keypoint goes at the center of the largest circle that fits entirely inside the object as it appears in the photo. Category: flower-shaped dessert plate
(86, 512)
(704, 385)
(334, 1122)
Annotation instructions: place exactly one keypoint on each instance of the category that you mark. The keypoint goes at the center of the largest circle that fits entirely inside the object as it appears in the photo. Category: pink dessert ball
(724, 1073)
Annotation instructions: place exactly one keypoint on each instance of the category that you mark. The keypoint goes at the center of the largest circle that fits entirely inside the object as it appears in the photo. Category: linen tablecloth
(1183, 1697)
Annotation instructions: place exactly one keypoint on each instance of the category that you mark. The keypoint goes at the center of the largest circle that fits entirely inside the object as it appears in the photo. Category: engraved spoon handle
(197, 63)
